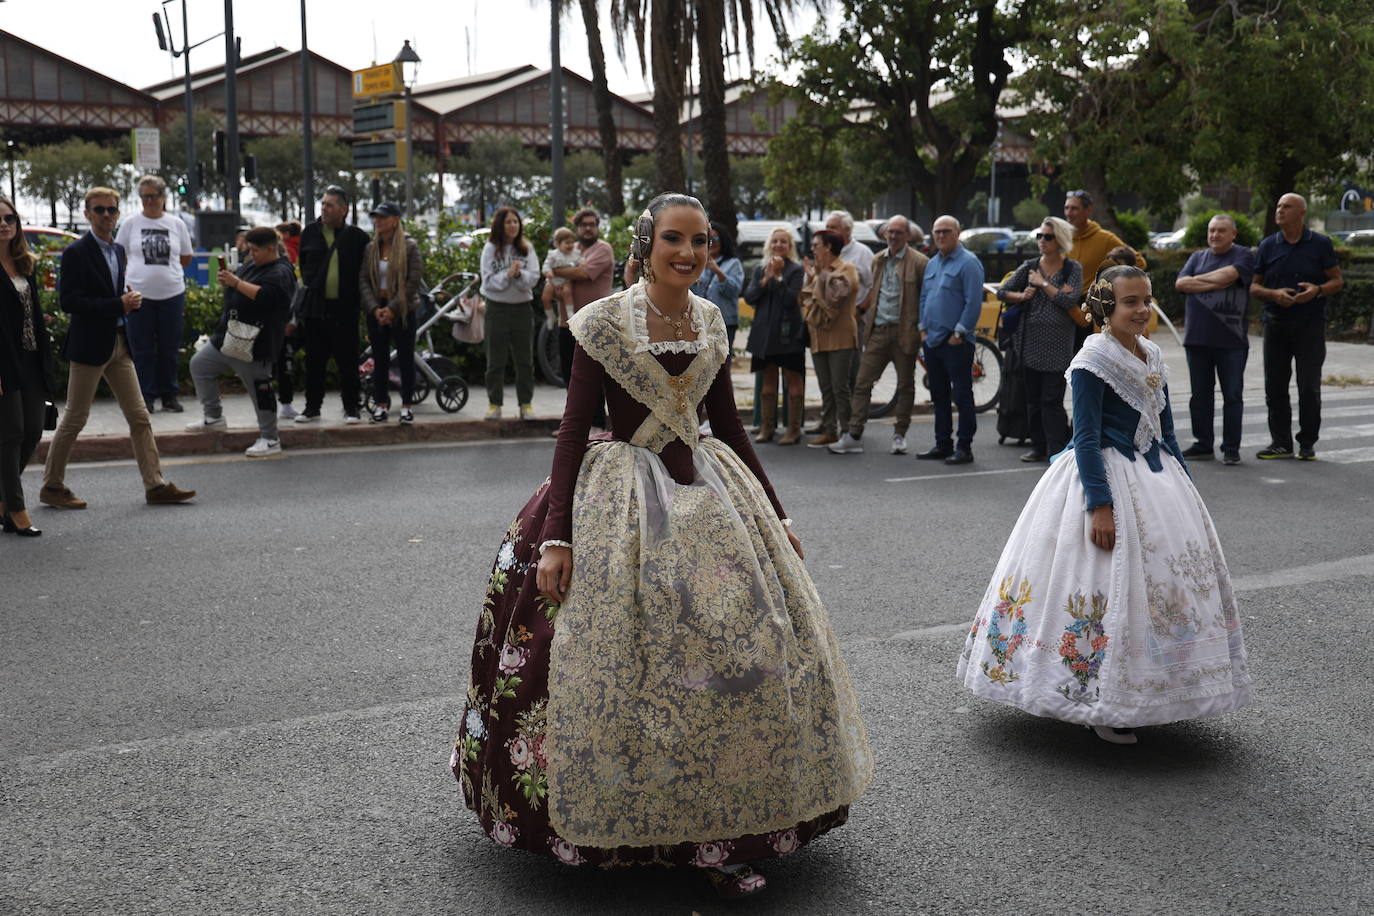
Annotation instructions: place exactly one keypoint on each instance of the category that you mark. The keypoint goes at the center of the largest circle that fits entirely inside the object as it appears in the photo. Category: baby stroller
(432, 372)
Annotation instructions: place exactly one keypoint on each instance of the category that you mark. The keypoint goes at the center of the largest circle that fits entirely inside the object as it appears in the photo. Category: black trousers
(21, 426)
(1290, 345)
(285, 369)
(1047, 422)
(334, 337)
(383, 337)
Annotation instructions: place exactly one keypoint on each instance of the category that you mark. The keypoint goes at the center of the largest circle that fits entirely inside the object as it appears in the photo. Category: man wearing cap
(330, 261)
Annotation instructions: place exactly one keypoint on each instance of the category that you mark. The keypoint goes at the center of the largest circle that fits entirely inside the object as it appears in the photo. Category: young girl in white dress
(1111, 605)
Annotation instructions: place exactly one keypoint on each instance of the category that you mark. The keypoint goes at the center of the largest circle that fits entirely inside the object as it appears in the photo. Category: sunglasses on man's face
(105, 211)
(11, 218)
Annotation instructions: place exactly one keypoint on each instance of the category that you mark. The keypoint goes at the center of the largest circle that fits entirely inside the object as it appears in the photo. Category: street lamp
(165, 43)
(410, 67)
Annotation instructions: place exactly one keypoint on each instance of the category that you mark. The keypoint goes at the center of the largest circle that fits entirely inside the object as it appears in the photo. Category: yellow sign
(384, 79)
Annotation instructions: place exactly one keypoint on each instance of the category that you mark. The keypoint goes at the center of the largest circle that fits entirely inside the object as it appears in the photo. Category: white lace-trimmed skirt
(1145, 634)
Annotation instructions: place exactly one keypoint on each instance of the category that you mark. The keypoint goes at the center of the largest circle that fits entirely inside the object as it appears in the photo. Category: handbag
(49, 415)
(469, 320)
(239, 338)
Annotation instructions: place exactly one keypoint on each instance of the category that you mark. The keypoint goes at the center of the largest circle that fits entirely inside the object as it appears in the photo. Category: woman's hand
(1036, 278)
(515, 268)
(795, 542)
(228, 278)
(385, 316)
(1016, 296)
(1104, 527)
(554, 573)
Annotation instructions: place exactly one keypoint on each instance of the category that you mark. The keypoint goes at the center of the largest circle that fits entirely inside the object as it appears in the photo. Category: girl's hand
(554, 573)
(796, 543)
(1036, 278)
(1104, 527)
(515, 268)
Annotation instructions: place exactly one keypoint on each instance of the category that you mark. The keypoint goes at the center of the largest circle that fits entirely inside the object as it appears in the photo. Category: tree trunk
(669, 55)
(715, 155)
(1285, 180)
(601, 92)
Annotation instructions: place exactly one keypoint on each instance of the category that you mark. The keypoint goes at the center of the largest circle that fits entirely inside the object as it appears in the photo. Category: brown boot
(167, 494)
(60, 498)
(794, 424)
(768, 418)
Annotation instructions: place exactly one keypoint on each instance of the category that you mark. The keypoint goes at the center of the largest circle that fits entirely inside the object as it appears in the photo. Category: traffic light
(250, 168)
(200, 175)
(181, 189)
(219, 151)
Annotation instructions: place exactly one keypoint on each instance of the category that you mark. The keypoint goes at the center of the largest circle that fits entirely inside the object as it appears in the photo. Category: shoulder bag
(239, 338)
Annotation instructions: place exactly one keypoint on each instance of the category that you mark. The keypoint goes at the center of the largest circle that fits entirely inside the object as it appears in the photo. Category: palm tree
(601, 92)
(669, 26)
(711, 18)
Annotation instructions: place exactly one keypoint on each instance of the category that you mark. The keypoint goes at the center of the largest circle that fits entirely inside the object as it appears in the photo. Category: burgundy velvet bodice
(589, 382)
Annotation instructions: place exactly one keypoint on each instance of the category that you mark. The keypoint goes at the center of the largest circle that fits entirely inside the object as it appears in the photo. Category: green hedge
(1348, 313)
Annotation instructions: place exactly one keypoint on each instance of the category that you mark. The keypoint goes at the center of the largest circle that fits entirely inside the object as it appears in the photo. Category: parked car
(46, 238)
(1360, 238)
(864, 231)
(1166, 241)
(984, 239)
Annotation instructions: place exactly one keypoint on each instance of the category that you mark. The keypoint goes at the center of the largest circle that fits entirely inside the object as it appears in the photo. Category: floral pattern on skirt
(1145, 634)
(499, 754)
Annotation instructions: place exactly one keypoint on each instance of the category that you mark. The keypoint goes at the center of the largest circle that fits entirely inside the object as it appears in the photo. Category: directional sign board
(379, 156)
(147, 142)
(384, 79)
(379, 118)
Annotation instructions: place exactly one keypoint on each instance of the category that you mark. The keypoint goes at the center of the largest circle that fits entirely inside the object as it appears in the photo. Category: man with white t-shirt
(159, 249)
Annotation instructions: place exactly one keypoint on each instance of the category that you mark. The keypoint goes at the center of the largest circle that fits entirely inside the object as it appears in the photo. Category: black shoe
(151, 404)
(29, 532)
(1230, 458)
(960, 456)
(1274, 451)
(1197, 452)
(7, 525)
(1034, 457)
(935, 454)
(1307, 453)
(172, 405)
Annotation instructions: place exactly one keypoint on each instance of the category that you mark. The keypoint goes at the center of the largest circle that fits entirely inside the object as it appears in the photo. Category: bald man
(951, 299)
(1296, 269)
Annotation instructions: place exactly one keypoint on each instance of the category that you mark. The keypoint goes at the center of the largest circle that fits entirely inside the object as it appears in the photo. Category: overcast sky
(452, 37)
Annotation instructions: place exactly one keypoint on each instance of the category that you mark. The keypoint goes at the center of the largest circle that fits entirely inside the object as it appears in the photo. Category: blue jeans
(950, 371)
(154, 332)
(1207, 365)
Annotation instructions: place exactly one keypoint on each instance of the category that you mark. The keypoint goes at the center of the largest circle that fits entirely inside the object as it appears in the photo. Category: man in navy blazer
(91, 290)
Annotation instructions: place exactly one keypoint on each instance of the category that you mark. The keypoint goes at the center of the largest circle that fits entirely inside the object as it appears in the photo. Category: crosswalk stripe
(1347, 455)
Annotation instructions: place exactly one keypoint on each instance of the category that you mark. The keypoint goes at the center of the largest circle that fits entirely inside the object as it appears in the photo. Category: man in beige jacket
(889, 315)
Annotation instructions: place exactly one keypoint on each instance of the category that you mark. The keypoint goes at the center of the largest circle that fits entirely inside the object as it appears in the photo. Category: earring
(646, 271)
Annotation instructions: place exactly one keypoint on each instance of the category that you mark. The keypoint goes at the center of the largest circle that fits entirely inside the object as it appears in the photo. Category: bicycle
(987, 377)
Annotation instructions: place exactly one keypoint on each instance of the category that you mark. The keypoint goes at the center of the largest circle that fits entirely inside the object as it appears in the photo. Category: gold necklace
(676, 323)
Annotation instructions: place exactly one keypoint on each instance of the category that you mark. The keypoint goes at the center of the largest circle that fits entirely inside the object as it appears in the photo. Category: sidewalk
(106, 435)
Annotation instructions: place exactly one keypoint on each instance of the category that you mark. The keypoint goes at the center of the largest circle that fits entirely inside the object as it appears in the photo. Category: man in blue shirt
(1215, 336)
(951, 298)
(1295, 270)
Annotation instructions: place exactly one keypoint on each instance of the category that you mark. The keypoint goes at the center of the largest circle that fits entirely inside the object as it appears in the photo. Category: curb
(229, 441)
(218, 442)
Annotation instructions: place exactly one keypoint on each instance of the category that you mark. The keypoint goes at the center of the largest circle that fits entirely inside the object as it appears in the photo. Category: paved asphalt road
(245, 705)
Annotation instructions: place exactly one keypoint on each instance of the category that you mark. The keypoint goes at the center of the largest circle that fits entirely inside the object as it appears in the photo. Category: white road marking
(1309, 574)
(1347, 455)
(959, 475)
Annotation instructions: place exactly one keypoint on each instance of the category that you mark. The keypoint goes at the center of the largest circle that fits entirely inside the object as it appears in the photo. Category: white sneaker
(307, 417)
(1114, 735)
(847, 445)
(898, 444)
(206, 423)
(263, 447)
(352, 419)
(287, 412)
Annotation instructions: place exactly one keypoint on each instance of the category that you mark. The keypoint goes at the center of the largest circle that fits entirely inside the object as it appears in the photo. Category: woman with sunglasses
(26, 369)
(1046, 288)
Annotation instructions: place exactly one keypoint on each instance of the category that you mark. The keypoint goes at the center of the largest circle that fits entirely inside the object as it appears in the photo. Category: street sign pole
(556, 204)
(231, 111)
(307, 106)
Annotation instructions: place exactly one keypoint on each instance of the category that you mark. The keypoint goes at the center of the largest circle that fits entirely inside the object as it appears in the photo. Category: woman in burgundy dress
(654, 679)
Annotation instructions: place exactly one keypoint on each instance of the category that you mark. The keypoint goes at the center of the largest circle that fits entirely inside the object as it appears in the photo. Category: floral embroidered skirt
(687, 704)
(1145, 634)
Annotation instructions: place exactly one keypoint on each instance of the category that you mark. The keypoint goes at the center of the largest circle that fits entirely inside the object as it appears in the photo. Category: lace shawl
(1139, 384)
(614, 332)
